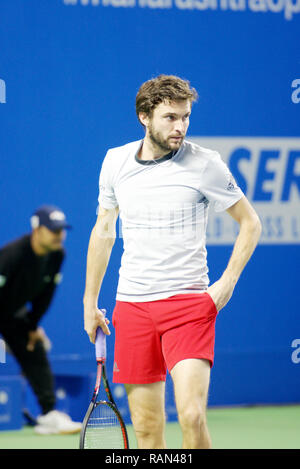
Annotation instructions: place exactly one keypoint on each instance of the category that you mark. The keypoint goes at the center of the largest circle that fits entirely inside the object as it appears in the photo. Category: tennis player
(165, 311)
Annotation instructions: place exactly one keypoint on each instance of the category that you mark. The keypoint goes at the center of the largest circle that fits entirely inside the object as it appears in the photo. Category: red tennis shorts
(151, 337)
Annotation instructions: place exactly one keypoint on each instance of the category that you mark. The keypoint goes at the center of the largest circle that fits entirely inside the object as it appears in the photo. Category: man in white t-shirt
(165, 311)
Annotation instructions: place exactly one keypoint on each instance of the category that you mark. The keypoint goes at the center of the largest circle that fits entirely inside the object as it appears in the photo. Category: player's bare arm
(101, 243)
(249, 233)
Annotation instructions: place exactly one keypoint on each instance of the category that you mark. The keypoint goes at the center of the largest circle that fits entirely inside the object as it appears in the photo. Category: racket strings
(103, 430)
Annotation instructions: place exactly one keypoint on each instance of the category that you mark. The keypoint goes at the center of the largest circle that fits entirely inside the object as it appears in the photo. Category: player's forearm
(98, 256)
(244, 246)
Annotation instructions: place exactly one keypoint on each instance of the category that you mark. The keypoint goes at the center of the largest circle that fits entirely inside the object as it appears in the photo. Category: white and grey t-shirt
(163, 216)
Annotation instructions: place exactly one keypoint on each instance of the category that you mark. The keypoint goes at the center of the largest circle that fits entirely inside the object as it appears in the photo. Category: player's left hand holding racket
(103, 426)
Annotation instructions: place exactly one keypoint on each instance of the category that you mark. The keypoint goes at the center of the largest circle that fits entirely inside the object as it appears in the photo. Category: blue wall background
(71, 71)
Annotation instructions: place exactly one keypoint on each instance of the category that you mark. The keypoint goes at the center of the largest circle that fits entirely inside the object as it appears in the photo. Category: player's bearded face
(160, 141)
(168, 125)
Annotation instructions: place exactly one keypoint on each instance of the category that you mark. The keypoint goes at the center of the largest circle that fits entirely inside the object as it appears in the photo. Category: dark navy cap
(50, 216)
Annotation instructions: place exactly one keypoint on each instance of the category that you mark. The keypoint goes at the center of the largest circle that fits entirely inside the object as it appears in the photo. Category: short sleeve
(218, 184)
(107, 198)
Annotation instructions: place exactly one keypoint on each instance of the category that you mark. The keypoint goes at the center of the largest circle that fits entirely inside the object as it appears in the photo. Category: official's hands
(35, 336)
(93, 318)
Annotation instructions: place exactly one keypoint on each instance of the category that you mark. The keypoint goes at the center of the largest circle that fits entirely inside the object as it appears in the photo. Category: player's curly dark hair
(160, 89)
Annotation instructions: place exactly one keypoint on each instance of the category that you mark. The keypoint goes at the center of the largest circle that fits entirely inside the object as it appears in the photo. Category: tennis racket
(103, 426)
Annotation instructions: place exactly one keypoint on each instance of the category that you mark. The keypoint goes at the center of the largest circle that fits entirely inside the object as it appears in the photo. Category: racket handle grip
(100, 342)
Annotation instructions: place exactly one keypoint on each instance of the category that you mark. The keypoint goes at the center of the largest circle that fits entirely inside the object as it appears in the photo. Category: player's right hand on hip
(94, 318)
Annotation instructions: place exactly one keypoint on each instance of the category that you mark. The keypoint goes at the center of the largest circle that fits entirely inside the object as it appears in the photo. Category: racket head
(103, 428)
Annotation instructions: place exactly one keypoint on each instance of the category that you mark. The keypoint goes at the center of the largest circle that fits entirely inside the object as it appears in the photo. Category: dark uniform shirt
(26, 278)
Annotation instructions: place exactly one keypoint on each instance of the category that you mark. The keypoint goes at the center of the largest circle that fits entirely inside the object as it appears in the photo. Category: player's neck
(149, 151)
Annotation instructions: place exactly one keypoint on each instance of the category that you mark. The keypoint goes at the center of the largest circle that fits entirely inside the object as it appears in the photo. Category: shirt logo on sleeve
(232, 185)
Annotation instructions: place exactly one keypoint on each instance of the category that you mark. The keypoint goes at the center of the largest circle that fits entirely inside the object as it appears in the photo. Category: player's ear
(144, 118)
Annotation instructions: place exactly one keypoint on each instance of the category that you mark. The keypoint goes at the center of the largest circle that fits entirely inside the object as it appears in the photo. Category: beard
(163, 144)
